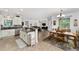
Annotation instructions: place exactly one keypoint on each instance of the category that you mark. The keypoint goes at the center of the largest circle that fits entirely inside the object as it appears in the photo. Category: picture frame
(75, 22)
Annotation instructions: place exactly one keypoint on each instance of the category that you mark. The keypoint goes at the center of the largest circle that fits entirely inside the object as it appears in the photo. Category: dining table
(66, 35)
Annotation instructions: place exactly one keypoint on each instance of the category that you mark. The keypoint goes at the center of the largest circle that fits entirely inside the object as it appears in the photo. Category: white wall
(57, 23)
(75, 15)
(37, 22)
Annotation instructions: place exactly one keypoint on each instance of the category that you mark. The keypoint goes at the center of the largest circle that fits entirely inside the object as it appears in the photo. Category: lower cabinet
(6, 33)
(1, 34)
(24, 37)
(29, 37)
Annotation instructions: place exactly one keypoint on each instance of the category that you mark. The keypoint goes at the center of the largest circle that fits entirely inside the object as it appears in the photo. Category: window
(8, 23)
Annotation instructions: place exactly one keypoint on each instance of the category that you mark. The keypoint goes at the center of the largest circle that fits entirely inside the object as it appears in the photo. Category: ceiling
(36, 12)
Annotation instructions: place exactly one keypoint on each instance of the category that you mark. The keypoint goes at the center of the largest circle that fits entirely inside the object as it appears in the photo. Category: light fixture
(19, 12)
(61, 14)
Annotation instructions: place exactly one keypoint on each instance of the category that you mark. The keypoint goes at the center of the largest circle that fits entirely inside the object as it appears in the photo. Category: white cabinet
(17, 21)
(29, 37)
(5, 33)
(26, 23)
(10, 32)
(23, 35)
(32, 38)
(1, 34)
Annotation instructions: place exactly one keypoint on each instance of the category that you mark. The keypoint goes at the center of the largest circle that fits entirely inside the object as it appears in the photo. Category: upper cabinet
(10, 21)
(17, 21)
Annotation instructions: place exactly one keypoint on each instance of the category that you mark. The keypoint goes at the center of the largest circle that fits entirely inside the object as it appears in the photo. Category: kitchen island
(29, 36)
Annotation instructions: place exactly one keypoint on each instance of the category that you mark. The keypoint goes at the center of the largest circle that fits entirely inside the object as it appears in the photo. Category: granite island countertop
(28, 29)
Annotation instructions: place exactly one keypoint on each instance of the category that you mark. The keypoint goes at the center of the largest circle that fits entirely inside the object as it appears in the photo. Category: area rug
(61, 45)
(20, 43)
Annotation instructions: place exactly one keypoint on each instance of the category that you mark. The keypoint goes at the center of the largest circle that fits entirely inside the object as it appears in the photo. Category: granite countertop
(19, 26)
(14, 27)
(28, 29)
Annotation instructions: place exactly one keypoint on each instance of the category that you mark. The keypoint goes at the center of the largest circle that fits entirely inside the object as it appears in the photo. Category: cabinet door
(1, 34)
(28, 39)
(21, 34)
(25, 38)
(14, 21)
(17, 21)
(11, 32)
(6, 33)
(31, 38)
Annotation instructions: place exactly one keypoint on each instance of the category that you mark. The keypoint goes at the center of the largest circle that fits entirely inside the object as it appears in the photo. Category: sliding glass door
(64, 23)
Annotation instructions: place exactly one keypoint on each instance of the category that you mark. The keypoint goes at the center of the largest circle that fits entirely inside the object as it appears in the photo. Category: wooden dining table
(74, 35)
(66, 34)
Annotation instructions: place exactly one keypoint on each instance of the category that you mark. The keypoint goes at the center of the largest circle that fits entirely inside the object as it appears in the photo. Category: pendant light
(61, 15)
(19, 12)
